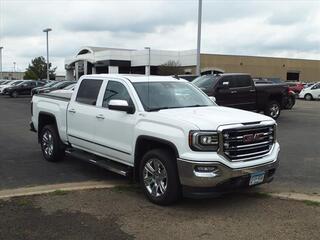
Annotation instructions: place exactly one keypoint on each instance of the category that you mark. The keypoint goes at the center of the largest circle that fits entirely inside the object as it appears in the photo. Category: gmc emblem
(250, 138)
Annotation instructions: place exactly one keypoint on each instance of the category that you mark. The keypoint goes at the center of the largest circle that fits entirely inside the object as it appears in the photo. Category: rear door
(81, 114)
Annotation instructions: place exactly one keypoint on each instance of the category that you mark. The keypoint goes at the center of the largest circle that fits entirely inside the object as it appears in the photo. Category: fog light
(205, 169)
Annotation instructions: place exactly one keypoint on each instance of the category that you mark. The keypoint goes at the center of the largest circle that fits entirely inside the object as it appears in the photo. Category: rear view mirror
(121, 105)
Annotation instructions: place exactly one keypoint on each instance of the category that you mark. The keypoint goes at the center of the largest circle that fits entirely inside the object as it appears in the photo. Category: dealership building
(91, 60)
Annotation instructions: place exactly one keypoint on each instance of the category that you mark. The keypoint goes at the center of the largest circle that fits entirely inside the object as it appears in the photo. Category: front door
(114, 129)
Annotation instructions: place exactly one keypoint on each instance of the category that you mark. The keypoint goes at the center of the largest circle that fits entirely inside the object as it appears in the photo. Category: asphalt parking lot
(22, 165)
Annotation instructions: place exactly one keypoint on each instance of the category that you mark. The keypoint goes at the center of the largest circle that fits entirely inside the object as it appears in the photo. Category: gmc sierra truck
(163, 132)
(239, 91)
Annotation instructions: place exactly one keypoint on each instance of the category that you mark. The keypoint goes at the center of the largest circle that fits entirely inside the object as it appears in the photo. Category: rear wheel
(273, 109)
(308, 97)
(51, 146)
(159, 177)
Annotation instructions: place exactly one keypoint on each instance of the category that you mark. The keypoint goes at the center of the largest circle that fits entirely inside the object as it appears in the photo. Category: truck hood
(210, 118)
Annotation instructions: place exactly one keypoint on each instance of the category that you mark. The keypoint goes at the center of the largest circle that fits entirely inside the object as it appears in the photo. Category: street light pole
(149, 60)
(47, 30)
(1, 62)
(198, 71)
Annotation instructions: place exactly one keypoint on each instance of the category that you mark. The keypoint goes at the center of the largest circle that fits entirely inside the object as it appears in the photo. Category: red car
(295, 87)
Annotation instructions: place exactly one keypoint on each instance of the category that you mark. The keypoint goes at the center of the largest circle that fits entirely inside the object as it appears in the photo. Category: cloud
(269, 28)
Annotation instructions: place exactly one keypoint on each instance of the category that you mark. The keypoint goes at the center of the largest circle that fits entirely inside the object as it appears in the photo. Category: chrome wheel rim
(47, 143)
(155, 177)
(274, 110)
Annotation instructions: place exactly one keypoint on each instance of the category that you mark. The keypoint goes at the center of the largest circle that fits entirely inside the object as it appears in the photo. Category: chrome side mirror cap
(213, 99)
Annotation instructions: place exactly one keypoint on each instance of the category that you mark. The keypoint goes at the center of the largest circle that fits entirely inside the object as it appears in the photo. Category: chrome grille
(247, 143)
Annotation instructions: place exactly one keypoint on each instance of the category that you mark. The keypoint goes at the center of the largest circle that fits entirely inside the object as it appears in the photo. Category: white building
(91, 60)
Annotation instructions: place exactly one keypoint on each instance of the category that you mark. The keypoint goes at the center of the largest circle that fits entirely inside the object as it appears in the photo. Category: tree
(37, 70)
(170, 68)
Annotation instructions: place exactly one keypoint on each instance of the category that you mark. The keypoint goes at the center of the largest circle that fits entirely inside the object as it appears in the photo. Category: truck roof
(136, 77)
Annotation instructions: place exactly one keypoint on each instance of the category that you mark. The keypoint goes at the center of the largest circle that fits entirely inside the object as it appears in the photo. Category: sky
(259, 28)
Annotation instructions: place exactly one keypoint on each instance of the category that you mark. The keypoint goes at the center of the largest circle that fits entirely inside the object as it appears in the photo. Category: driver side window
(116, 91)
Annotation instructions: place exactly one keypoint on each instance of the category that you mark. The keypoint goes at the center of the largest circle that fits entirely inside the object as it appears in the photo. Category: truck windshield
(205, 82)
(165, 95)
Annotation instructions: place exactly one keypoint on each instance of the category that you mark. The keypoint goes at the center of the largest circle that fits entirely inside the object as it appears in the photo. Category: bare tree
(171, 67)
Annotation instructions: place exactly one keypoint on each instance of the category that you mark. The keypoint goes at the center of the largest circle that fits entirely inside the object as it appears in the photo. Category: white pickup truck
(165, 133)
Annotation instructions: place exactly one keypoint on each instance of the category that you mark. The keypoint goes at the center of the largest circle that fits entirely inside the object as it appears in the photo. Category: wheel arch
(145, 143)
(45, 118)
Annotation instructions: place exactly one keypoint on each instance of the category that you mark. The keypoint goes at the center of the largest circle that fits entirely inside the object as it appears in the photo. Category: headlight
(203, 141)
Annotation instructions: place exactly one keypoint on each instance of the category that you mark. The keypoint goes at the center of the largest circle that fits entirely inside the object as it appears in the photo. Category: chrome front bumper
(189, 177)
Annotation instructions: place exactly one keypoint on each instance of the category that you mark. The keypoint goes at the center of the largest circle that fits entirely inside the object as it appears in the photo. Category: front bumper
(224, 179)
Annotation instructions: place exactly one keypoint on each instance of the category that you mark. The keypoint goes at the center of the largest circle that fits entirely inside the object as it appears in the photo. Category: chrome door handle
(252, 90)
(100, 116)
(233, 91)
(72, 110)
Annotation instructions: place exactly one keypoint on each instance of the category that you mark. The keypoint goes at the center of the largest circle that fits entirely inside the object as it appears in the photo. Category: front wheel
(14, 94)
(273, 109)
(290, 103)
(308, 97)
(159, 177)
(51, 146)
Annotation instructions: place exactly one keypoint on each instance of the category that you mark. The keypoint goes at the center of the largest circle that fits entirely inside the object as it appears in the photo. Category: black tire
(172, 192)
(308, 97)
(14, 94)
(290, 103)
(57, 152)
(273, 109)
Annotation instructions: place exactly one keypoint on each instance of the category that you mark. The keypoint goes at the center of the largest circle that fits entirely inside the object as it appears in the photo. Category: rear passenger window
(117, 91)
(88, 91)
(240, 81)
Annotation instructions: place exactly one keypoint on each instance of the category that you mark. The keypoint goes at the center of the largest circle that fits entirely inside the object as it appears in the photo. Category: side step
(105, 163)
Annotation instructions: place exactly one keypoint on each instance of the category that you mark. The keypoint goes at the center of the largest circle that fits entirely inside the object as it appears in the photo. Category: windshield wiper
(196, 105)
(160, 108)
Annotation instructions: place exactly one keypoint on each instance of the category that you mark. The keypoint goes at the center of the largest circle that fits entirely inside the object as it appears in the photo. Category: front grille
(247, 143)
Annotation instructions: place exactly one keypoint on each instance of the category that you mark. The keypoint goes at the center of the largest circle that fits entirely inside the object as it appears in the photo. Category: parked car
(46, 85)
(164, 132)
(311, 93)
(295, 87)
(23, 88)
(56, 86)
(239, 91)
(9, 84)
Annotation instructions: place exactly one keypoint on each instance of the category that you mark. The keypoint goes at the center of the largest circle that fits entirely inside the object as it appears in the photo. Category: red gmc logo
(250, 138)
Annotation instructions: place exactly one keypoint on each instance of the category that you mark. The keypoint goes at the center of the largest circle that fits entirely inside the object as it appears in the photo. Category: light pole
(47, 30)
(149, 61)
(199, 37)
(1, 62)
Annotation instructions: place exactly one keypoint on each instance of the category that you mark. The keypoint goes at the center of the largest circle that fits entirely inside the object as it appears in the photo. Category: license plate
(256, 178)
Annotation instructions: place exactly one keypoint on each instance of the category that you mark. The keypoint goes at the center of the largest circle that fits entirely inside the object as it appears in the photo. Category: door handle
(234, 91)
(72, 110)
(252, 90)
(100, 116)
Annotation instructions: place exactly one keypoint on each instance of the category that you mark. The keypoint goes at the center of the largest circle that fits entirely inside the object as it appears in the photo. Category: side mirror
(121, 105)
(213, 99)
(224, 85)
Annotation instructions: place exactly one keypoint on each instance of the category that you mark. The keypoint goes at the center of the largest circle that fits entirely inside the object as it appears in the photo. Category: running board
(105, 163)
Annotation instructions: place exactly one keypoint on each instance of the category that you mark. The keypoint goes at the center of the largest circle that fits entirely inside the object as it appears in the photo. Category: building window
(293, 76)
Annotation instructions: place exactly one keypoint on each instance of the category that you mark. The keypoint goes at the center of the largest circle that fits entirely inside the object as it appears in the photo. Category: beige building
(265, 67)
(11, 75)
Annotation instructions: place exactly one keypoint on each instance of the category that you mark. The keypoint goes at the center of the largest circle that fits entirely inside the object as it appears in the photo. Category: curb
(38, 190)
